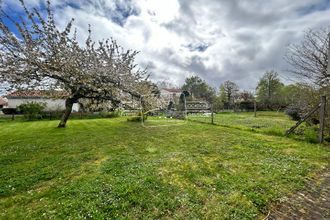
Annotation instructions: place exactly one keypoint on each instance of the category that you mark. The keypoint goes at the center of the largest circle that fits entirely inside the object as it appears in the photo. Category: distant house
(40, 96)
(170, 94)
(3, 102)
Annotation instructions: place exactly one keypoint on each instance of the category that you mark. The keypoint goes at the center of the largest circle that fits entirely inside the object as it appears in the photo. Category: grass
(111, 168)
(271, 123)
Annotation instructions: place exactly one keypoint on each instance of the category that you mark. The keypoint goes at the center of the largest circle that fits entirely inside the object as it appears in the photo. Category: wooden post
(322, 118)
(185, 107)
(212, 115)
(328, 67)
(302, 120)
(324, 100)
(141, 111)
(255, 108)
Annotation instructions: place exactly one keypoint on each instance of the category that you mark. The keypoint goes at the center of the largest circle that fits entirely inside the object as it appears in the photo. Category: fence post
(322, 118)
(255, 108)
(212, 115)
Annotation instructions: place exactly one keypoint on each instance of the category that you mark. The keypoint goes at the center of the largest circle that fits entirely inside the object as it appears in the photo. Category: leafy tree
(165, 84)
(198, 88)
(294, 93)
(228, 93)
(38, 55)
(269, 88)
(300, 98)
(309, 60)
(218, 104)
(222, 94)
(246, 96)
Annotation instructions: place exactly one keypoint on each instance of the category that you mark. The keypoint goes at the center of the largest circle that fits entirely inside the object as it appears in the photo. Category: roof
(37, 94)
(172, 90)
(3, 101)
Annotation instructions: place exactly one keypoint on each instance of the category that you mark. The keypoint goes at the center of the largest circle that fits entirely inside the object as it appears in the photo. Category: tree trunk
(68, 109)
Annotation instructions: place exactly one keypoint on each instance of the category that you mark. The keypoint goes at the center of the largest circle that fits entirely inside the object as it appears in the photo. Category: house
(40, 96)
(170, 94)
(3, 102)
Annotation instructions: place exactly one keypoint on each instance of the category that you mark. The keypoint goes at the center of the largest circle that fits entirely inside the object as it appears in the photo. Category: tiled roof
(37, 94)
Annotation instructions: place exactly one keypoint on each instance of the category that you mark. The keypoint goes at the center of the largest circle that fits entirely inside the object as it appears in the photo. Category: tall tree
(38, 55)
(229, 92)
(309, 58)
(246, 96)
(300, 95)
(269, 88)
(222, 94)
(198, 88)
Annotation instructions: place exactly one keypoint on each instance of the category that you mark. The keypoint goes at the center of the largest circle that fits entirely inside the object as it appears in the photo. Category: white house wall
(51, 104)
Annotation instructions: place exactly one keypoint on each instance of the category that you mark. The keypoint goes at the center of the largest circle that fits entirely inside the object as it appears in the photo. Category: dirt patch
(311, 203)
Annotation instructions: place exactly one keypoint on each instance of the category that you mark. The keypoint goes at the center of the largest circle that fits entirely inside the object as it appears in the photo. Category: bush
(293, 113)
(10, 111)
(113, 114)
(137, 118)
(310, 133)
(32, 110)
(134, 119)
(246, 105)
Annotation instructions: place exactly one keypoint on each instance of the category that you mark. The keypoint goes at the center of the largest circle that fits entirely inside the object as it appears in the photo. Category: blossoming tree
(39, 55)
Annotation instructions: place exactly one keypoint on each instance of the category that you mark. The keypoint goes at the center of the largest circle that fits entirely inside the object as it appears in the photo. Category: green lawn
(111, 168)
(272, 123)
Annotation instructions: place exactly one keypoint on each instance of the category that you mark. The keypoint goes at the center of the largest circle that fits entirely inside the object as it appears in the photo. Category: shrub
(134, 119)
(293, 113)
(310, 133)
(246, 105)
(10, 111)
(32, 110)
(137, 118)
(113, 114)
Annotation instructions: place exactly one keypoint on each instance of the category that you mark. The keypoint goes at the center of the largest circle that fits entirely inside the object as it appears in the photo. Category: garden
(92, 130)
(99, 168)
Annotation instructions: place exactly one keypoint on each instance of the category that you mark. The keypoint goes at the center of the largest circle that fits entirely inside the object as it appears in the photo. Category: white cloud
(218, 40)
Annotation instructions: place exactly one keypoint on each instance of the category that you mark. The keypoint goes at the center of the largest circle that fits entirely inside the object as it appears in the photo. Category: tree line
(309, 64)
(270, 93)
(36, 54)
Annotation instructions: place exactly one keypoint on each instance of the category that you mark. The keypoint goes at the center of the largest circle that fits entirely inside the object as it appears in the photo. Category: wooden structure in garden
(321, 106)
(198, 107)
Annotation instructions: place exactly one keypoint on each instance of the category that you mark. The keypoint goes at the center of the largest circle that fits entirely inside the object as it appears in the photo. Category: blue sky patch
(121, 13)
(200, 47)
(324, 5)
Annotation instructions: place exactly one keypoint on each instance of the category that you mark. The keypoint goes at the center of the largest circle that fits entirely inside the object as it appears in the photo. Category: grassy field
(271, 123)
(111, 168)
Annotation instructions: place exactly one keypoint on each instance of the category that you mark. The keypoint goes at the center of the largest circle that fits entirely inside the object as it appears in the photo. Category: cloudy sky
(218, 40)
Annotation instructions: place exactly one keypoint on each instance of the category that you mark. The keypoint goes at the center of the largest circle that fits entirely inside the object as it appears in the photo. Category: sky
(218, 40)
